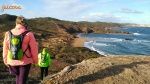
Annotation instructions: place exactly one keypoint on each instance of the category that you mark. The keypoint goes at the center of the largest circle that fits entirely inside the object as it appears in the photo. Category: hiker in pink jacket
(22, 66)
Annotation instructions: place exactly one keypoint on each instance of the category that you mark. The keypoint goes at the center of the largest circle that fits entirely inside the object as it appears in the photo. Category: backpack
(15, 51)
(43, 58)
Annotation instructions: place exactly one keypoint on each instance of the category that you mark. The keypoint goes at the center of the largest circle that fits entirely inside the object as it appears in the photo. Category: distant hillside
(50, 23)
(54, 33)
(138, 25)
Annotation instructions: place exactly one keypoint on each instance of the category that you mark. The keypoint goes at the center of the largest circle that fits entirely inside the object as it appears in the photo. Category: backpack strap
(10, 37)
(23, 34)
(25, 53)
(10, 34)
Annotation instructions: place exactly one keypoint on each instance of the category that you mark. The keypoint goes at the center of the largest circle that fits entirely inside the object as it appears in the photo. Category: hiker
(44, 61)
(16, 60)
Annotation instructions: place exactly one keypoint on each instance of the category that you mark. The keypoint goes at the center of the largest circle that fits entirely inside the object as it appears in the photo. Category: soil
(105, 70)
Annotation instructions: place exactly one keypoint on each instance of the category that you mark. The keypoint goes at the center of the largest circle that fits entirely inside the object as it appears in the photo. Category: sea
(135, 43)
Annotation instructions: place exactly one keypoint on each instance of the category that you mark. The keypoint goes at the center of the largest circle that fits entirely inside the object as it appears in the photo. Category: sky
(116, 11)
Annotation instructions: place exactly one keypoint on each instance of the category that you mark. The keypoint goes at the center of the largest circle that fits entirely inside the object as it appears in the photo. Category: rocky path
(105, 70)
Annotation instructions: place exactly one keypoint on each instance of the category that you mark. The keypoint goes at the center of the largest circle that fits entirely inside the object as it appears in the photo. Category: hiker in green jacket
(44, 62)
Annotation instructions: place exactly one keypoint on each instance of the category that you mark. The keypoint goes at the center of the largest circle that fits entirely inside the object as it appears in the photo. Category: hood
(44, 51)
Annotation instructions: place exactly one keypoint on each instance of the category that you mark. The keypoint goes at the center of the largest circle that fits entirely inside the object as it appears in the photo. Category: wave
(89, 44)
(97, 41)
(98, 51)
(91, 41)
(79, 35)
(137, 34)
(141, 41)
(107, 39)
(103, 44)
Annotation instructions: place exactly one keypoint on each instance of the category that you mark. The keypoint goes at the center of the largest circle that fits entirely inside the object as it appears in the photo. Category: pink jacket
(28, 40)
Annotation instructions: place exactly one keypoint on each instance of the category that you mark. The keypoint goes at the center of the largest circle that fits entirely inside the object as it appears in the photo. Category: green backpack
(15, 51)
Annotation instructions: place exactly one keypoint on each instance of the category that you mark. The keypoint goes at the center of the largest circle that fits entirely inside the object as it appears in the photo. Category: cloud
(105, 0)
(101, 17)
(125, 10)
(66, 7)
(143, 2)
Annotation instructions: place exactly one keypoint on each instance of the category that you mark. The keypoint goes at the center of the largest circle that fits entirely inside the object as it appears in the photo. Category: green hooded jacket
(47, 59)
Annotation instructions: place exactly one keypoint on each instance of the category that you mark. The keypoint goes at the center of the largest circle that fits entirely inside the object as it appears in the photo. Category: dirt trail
(106, 70)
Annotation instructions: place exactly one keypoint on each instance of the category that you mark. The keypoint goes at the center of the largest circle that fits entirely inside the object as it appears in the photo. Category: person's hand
(35, 65)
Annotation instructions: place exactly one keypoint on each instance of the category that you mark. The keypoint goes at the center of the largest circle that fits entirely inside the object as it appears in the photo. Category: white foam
(145, 41)
(103, 44)
(137, 34)
(79, 35)
(91, 41)
(89, 45)
(108, 39)
(100, 52)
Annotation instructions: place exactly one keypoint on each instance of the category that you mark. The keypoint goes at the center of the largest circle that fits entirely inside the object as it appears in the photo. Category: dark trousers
(21, 72)
(43, 70)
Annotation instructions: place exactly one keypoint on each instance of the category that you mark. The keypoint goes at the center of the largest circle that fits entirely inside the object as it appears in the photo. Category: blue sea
(136, 43)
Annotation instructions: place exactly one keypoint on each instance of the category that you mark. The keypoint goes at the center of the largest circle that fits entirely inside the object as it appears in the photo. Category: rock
(107, 70)
(66, 70)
